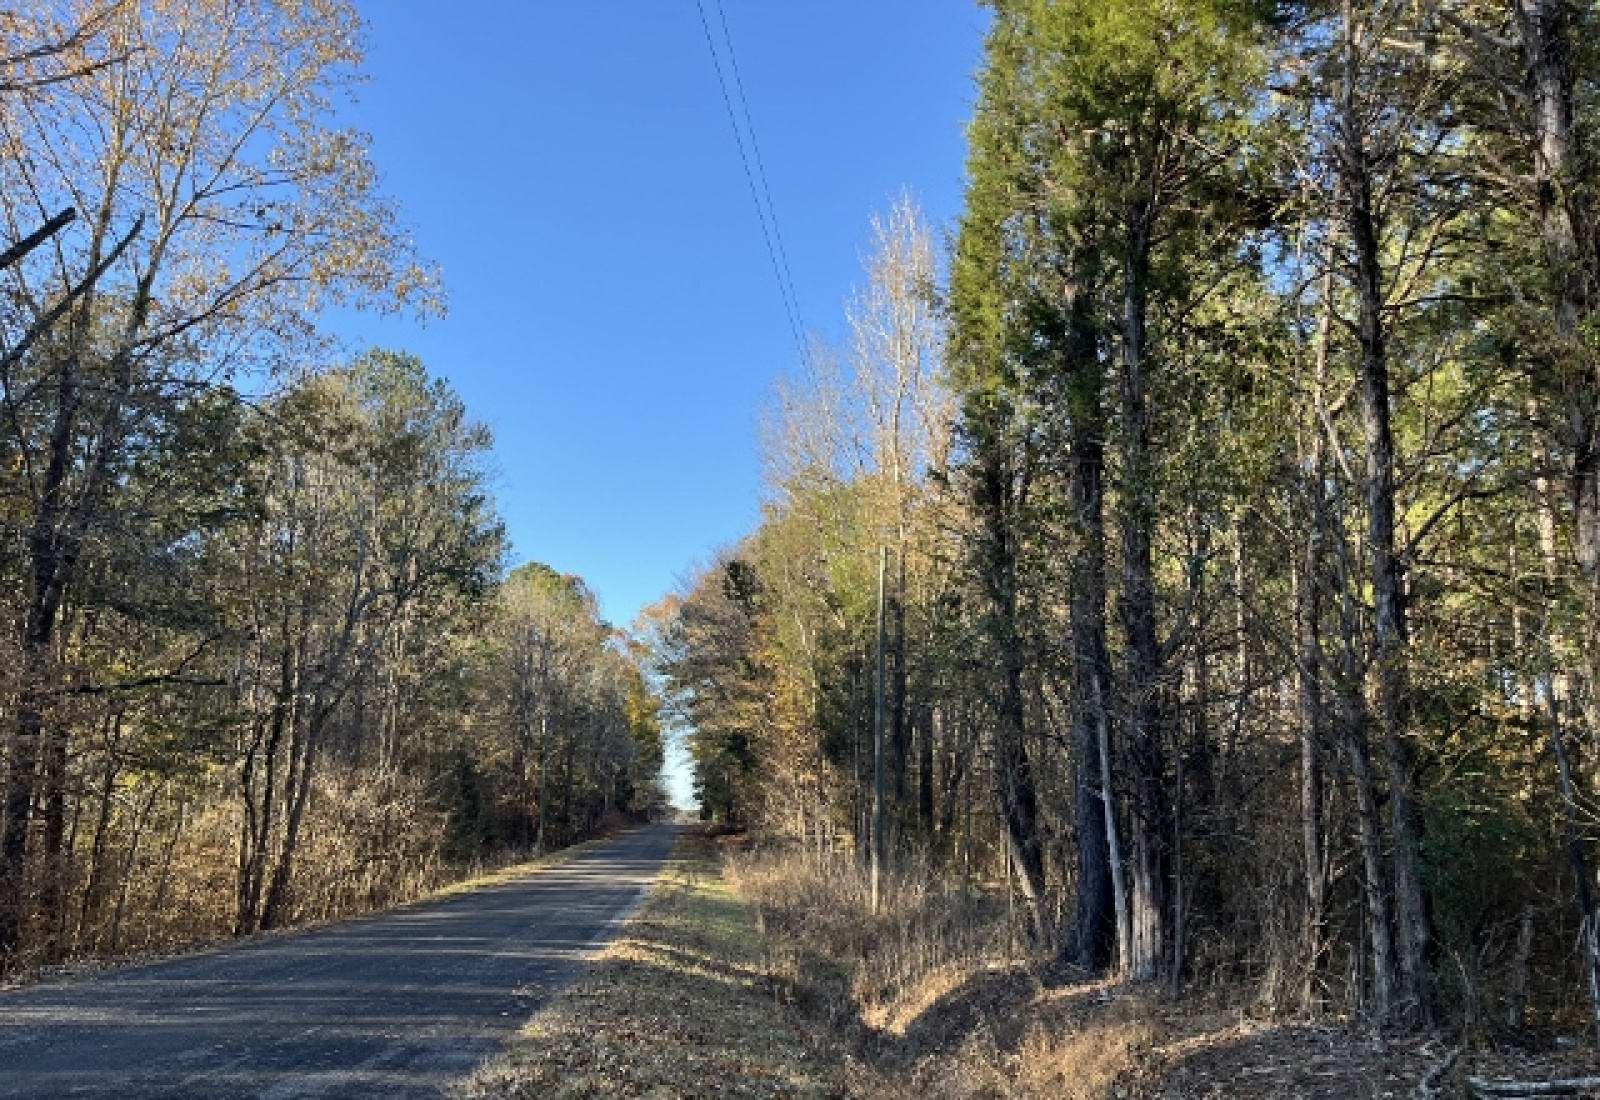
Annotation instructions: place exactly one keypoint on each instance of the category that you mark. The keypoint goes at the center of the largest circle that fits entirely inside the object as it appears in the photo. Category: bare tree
(218, 208)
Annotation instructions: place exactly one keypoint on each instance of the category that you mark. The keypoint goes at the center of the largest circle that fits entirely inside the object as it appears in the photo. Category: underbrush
(931, 1000)
(928, 989)
(152, 887)
(828, 948)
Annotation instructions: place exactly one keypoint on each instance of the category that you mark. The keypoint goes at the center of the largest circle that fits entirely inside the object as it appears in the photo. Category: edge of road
(89, 968)
(678, 998)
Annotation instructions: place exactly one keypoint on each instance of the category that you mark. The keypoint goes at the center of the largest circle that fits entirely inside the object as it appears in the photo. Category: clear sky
(613, 315)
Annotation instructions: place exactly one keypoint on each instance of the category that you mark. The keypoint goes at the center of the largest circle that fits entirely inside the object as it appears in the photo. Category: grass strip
(677, 1005)
(509, 872)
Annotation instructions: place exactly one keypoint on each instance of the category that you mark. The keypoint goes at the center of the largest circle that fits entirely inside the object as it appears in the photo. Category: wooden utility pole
(877, 744)
(544, 770)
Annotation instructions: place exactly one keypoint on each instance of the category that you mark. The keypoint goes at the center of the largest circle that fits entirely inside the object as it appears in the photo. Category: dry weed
(926, 989)
(844, 963)
(1100, 1060)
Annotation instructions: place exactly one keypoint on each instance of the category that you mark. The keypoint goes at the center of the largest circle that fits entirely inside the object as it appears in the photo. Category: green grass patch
(678, 1005)
(510, 871)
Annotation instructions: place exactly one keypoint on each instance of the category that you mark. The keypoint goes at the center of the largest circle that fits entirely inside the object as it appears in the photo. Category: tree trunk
(1350, 719)
(899, 712)
(1588, 932)
(259, 788)
(996, 500)
(1089, 945)
(1308, 614)
(1566, 226)
(1517, 997)
(1309, 581)
(94, 889)
(927, 729)
(1019, 804)
(1143, 681)
(52, 553)
(297, 792)
(1390, 641)
(879, 841)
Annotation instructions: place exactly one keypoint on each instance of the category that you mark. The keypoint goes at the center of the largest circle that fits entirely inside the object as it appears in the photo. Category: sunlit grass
(510, 872)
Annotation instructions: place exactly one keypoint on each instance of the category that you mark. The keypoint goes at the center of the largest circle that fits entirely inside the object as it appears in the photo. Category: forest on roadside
(1202, 539)
(261, 658)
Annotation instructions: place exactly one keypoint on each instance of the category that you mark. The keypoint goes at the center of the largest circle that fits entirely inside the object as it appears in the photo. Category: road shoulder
(676, 1005)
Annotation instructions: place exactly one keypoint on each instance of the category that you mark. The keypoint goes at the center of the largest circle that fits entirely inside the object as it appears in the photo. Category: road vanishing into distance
(397, 1004)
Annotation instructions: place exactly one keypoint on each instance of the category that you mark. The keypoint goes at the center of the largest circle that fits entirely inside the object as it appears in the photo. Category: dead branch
(33, 240)
(56, 312)
(1428, 1087)
(1517, 1089)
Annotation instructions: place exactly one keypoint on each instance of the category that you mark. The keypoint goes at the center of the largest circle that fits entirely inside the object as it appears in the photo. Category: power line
(765, 212)
(755, 148)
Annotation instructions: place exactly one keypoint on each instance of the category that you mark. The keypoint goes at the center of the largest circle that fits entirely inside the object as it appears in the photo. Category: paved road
(394, 1005)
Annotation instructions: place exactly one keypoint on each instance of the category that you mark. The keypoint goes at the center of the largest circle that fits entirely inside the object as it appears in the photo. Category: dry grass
(927, 990)
(800, 991)
(851, 967)
(676, 1006)
(935, 1009)
(1089, 1062)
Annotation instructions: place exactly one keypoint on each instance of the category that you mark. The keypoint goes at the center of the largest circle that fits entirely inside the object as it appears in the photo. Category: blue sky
(613, 313)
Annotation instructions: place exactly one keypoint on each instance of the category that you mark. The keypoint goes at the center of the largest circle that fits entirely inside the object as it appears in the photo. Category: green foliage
(1151, 279)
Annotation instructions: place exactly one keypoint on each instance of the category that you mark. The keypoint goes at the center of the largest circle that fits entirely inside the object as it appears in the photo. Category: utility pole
(877, 745)
(544, 770)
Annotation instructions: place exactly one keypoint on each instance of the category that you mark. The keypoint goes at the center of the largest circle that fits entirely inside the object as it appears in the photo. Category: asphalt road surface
(393, 1005)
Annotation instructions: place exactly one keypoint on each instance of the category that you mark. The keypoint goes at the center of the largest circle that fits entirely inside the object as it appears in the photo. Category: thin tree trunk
(899, 712)
(1350, 717)
(94, 889)
(1571, 380)
(297, 792)
(1019, 804)
(1563, 207)
(1190, 786)
(927, 730)
(1119, 888)
(1309, 698)
(126, 884)
(1588, 931)
(158, 901)
(1391, 646)
(996, 501)
(56, 865)
(1309, 581)
(1517, 998)
(879, 810)
(956, 756)
(260, 809)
